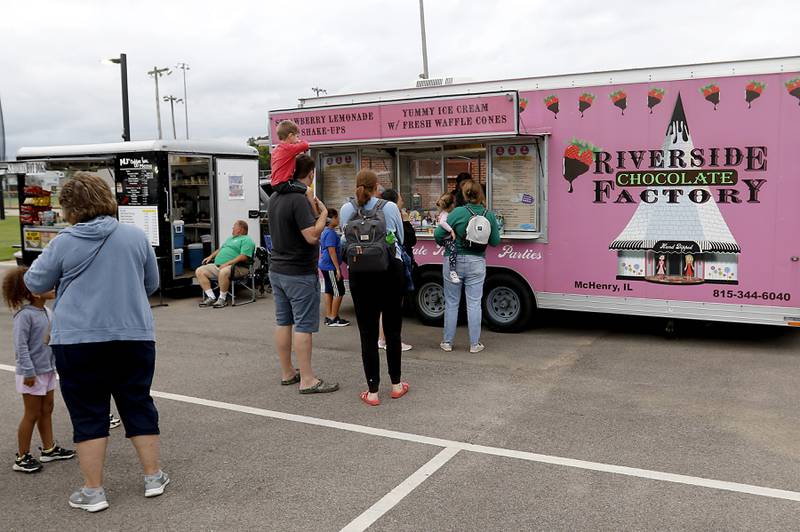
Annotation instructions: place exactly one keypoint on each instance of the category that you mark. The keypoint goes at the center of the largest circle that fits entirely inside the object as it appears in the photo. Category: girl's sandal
(370, 402)
(402, 392)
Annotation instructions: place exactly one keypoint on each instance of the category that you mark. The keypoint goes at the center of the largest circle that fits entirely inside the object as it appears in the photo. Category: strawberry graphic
(578, 158)
(585, 101)
(654, 97)
(793, 86)
(711, 93)
(551, 102)
(620, 99)
(523, 104)
(752, 91)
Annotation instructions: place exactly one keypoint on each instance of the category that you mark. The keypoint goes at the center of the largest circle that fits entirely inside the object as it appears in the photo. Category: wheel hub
(503, 304)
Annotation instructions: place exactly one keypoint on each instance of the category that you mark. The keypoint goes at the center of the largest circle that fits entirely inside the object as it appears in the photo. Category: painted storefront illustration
(684, 241)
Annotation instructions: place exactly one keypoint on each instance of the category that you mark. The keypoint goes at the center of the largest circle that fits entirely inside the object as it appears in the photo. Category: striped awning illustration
(704, 246)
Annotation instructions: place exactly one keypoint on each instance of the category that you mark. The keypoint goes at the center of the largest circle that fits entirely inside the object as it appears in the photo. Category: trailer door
(237, 196)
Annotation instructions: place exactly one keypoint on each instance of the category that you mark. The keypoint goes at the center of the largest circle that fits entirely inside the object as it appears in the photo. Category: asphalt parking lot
(584, 422)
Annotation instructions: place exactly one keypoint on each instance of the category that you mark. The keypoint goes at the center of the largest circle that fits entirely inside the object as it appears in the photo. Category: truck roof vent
(434, 82)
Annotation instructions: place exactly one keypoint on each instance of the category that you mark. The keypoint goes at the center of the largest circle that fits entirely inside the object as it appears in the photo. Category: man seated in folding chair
(230, 261)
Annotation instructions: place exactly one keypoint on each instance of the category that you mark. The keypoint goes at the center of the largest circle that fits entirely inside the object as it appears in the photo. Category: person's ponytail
(366, 184)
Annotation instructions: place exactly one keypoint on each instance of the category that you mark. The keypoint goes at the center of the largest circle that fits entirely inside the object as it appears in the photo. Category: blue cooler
(195, 257)
(177, 234)
(178, 259)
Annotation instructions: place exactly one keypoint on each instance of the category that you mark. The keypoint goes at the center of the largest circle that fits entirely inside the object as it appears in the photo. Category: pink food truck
(669, 191)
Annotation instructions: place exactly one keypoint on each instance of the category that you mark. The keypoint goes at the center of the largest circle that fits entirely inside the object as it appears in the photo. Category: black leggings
(452, 252)
(377, 293)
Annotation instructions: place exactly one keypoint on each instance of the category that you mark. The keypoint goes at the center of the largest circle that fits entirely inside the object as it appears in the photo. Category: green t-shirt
(458, 220)
(233, 247)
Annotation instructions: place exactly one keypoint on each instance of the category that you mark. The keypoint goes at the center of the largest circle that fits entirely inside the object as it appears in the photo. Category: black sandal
(320, 387)
(293, 380)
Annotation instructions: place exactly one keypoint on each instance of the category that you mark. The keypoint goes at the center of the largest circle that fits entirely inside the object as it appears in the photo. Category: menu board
(515, 186)
(137, 183)
(143, 217)
(338, 179)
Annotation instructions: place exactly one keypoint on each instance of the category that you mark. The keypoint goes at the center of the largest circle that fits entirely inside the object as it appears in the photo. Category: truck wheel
(429, 298)
(507, 303)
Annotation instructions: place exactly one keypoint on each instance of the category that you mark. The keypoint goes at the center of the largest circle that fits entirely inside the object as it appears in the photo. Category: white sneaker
(381, 344)
(405, 347)
(153, 487)
(454, 277)
(477, 348)
(446, 346)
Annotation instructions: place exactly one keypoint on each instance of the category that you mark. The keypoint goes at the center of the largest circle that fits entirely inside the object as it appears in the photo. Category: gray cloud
(248, 57)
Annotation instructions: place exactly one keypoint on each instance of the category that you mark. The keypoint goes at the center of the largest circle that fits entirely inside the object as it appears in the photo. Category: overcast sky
(247, 57)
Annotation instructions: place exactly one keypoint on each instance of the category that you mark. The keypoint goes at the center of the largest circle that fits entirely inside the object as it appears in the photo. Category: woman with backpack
(475, 228)
(373, 235)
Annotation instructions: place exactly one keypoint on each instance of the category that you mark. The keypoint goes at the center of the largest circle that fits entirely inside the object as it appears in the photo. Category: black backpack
(365, 246)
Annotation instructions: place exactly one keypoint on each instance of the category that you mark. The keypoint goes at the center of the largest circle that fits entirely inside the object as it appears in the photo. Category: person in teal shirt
(470, 267)
(229, 260)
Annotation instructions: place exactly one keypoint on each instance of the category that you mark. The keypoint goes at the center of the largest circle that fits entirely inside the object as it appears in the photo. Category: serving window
(421, 183)
(40, 213)
(381, 162)
(511, 174)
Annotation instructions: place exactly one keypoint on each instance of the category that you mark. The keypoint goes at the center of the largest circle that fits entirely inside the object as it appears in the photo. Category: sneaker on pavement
(406, 347)
(454, 277)
(339, 322)
(113, 421)
(56, 453)
(155, 485)
(446, 346)
(27, 464)
(221, 303)
(94, 502)
(329, 321)
(207, 302)
(476, 348)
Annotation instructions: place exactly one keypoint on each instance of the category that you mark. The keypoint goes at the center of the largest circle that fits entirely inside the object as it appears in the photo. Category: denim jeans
(471, 269)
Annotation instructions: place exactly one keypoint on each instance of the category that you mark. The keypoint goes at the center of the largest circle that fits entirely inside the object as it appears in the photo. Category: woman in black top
(458, 195)
(409, 241)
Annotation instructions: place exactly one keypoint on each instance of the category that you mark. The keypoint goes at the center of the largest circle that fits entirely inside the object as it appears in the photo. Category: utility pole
(157, 73)
(424, 74)
(185, 67)
(318, 91)
(172, 99)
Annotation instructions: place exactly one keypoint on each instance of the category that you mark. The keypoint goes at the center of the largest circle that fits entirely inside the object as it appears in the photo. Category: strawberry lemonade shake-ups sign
(485, 115)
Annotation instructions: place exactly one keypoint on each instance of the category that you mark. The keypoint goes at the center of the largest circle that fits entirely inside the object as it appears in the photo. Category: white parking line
(482, 449)
(391, 499)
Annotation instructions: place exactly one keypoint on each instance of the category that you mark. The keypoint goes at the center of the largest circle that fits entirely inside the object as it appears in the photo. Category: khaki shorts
(213, 270)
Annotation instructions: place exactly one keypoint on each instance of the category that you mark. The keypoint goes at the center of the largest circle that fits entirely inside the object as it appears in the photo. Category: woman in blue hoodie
(102, 331)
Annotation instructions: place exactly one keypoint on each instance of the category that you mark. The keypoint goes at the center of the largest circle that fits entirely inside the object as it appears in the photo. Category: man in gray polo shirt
(295, 229)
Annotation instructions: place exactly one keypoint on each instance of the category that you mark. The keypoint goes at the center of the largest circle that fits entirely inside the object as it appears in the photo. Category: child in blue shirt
(330, 265)
(36, 372)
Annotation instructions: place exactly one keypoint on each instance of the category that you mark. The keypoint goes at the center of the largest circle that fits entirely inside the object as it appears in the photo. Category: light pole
(185, 67)
(157, 73)
(424, 74)
(172, 99)
(122, 61)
